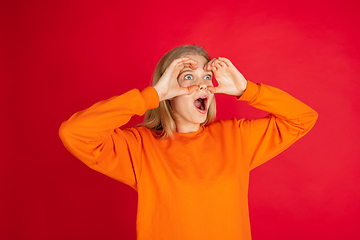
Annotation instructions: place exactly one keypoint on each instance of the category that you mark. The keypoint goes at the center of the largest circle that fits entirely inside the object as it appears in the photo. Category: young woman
(191, 173)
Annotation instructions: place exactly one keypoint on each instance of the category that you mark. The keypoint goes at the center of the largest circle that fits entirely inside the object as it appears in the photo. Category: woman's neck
(187, 127)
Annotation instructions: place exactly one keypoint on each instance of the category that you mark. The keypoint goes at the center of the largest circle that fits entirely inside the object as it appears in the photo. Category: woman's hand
(168, 86)
(230, 80)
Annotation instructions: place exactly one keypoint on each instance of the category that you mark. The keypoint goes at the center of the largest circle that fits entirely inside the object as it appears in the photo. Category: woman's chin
(200, 119)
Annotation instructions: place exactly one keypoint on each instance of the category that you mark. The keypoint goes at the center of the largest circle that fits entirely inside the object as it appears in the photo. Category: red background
(59, 57)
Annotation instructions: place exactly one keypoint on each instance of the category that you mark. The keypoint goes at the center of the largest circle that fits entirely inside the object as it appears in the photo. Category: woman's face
(191, 110)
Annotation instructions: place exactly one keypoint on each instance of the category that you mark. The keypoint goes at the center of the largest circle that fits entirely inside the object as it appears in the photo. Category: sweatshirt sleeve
(94, 137)
(288, 121)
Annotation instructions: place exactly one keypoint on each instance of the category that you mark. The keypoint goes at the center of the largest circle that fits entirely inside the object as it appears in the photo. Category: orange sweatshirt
(195, 185)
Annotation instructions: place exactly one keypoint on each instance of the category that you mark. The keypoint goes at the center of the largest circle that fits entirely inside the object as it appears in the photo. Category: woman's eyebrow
(191, 70)
(186, 70)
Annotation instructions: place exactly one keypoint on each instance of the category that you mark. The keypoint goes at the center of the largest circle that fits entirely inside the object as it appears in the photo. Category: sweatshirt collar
(191, 134)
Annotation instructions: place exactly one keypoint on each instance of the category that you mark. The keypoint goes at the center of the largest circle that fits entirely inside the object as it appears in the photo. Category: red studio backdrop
(59, 57)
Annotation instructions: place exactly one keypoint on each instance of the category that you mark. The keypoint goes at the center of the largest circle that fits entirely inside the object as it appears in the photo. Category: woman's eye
(188, 77)
(208, 77)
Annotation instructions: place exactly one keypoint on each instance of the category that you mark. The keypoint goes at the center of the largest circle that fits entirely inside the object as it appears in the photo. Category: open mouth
(200, 103)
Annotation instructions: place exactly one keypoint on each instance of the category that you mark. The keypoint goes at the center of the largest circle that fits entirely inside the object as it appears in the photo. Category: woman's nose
(202, 88)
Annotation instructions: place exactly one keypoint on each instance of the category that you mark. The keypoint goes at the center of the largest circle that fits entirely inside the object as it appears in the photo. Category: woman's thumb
(192, 88)
(212, 89)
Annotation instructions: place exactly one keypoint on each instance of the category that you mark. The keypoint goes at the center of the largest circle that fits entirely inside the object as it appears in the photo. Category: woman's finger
(208, 65)
(218, 63)
(222, 64)
(189, 64)
(215, 66)
(191, 89)
(213, 63)
(178, 63)
(178, 60)
(181, 65)
(212, 89)
(193, 64)
(186, 90)
(226, 61)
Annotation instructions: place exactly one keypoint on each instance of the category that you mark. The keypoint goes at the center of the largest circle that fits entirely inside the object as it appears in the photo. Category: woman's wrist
(244, 85)
(159, 93)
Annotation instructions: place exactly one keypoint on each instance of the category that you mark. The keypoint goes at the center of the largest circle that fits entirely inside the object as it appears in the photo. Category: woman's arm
(288, 121)
(94, 137)
(263, 138)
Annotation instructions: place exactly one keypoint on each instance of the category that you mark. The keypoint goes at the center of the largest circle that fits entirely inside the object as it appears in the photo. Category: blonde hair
(161, 119)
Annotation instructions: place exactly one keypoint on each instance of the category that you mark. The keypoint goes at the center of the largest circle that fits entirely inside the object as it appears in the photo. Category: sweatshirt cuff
(151, 97)
(250, 92)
